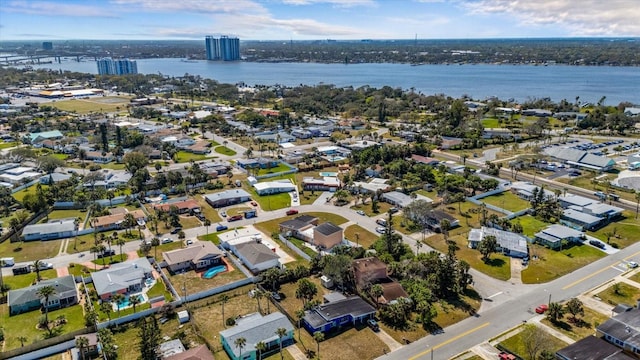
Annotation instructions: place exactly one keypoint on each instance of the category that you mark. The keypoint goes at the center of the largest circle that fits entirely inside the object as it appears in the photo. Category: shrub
(230, 321)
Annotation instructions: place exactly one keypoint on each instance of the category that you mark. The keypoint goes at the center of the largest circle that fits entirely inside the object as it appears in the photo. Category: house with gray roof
(200, 255)
(54, 229)
(122, 278)
(402, 200)
(227, 197)
(623, 330)
(592, 348)
(508, 243)
(584, 221)
(255, 328)
(27, 299)
(581, 159)
(257, 257)
(525, 190)
(338, 314)
(553, 236)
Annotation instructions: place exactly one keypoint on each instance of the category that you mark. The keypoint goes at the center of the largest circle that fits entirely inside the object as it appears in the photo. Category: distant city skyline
(315, 19)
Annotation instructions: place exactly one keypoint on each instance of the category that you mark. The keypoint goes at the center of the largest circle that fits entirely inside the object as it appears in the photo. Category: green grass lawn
(383, 207)
(30, 190)
(214, 238)
(530, 225)
(66, 214)
(83, 106)
(515, 345)
(274, 170)
(490, 123)
(300, 245)
(224, 151)
(364, 237)
(25, 324)
(324, 217)
(238, 210)
(6, 145)
(626, 294)
(627, 229)
(30, 250)
(24, 280)
(507, 200)
(583, 327)
(635, 277)
(185, 157)
(80, 270)
(273, 202)
(552, 264)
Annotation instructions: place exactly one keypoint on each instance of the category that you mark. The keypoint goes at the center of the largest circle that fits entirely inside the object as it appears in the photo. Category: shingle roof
(121, 275)
(624, 326)
(65, 286)
(255, 329)
(199, 250)
(198, 353)
(256, 253)
(592, 348)
(53, 227)
(325, 313)
(570, 214)
(327, 229)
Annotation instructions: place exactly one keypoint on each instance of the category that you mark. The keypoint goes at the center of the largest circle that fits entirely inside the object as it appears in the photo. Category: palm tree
(106, 308)
(134, 301)
(36, 265)
(240, 343)
(206, 224)
(555, 311)
(318, 337)
(22, 340)
(376, 292)
(261, 347)
(299, 315)
(95, 250)
(120, 243)
(155, 242)
(45, 293)
(81, 343)
(281, 332)
(119, 300)
(223, 300)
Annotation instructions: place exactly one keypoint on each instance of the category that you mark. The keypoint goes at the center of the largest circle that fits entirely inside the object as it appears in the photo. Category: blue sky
(316, 19)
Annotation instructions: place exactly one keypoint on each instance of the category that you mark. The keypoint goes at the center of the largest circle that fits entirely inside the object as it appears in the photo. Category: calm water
(520, 82)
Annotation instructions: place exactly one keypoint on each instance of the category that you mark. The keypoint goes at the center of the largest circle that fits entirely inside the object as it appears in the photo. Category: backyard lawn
(194, 282)
(546, 264)
(24, 280)
(30, 250)
(585, 326)
(31, 189)
(530, 225)
(274, 170)
(626, 294)
(490, 123)
(271, 202)
(626, 230)
(364, 237)
(185, 157)
(507, 200)
(515, 345)
(25, 324)
(383, 207)
(65, 214)
(224, 151)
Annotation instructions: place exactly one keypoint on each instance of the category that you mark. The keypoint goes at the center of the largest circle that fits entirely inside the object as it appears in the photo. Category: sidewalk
(557, 334)
(388, 340)
(295, 352)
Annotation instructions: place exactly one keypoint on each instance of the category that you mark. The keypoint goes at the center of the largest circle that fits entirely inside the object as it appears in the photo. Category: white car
(381, 229)
(167, 240)
(189, 242)
(632, 264)
(223, 213)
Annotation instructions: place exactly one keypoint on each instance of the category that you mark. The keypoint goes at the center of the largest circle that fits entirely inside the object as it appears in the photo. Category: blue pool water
(328, 173)
(126, 302)
(214, 271)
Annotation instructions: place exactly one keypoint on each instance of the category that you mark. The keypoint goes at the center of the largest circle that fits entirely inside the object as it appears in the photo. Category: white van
(7, 261)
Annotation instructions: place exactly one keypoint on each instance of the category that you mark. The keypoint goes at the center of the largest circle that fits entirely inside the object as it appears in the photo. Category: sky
(316, 19)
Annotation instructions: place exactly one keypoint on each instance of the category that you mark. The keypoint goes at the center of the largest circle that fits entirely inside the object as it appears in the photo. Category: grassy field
(546, 264)
(66, 214)
(364, 237)
(515, 344)
(274, 170)
(626, 294)
(6, 145)
(383, 207)
(507, 200)
(185, 157)
(195, 283)
(224, 151)
(490, 123)
(584, 327)
(30, 190)
(208, 212)
(84, 106)
(25, 324)
(30, 250)
(635, 277)
(530, 225)
(626, 228)
(24, 280)
(272, 202)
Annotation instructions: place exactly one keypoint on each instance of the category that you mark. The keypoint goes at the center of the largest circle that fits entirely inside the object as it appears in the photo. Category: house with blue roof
(35, 138)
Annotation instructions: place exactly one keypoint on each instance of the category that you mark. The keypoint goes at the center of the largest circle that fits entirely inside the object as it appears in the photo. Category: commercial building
(255, 328)
(109, 66)
(581, 159)
(223, 48)
(27, 299)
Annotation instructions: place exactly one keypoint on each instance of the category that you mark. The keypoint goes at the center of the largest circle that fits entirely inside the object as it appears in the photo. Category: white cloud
(54, 9)
(337, 3)
(581, 18)
(196, 6)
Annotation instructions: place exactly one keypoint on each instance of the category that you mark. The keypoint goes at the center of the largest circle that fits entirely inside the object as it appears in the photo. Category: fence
(21, 187)
(32, 219)
(46, 347)
(292, 170)
(294, 248)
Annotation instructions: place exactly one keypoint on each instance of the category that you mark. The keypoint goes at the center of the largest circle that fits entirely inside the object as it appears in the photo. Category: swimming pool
(214, 271)
(126, 303)
(328, 174)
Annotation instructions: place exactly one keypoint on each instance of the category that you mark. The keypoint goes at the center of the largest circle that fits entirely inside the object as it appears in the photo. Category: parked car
(107, 252)
(506, 356)
(253, 203)
(381, 222)
(235, 218)
(381, 229)
(597, 244)
(221, 228)
(176, 230)
(292, 212)
(541, 309)
(167, 240)
(43, 266)
(360, 212)
(276, 296)
(24, 269)
(223, 213)
(632, 264)
(373, 325)
(393, 210)
(189, 242)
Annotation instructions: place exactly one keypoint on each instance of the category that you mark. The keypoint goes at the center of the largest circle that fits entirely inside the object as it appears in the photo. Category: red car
(506, 356)
(292, 212)
(541, 309)
(254, 203)
(235, 218)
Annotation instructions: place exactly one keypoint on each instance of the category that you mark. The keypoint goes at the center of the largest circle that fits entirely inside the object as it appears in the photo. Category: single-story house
(592, 348)
(255, 328)
(18, 175)
(54, 229)
(425, 160)
(274, 187)
(402, 200)
(435, 217)
(115, 221)
(623, 330)
(337, 314)
(374, 171)
(262, 163)
(553, 236)
(372, 187)
(54, 178)
(227, 197)
(368, 271)
(46, 135)
(509, 243)
(184, 206)
(256, 256)
(526, 190)
(299, 227)
(583, 220)
(327, 235)
(27, 299)
(201, 255)
(99, 157)
(333, 150)
(537, 112)
(326, 183)
(449, 142)
(170, 348)
(581, 159)
(122, 278)
(201, 147)
(92, 348)
(201, 352)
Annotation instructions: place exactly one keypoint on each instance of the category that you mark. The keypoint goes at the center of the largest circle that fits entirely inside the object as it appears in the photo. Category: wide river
(519, 82)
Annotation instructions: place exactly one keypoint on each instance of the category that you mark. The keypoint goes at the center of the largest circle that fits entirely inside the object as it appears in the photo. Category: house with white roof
(587, 213)
(325, 183)
(402, 200)
(54, 229)
(508, 243)
(122, 278)
(525, 190)
(274, 187)
(553, 236)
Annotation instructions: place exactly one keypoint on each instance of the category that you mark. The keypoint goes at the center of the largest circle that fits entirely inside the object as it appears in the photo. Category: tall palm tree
(318, 337)
(240, 344)
(261, 347)
(206, 224)
(299, 316)
(36, 266)
(120, 243)
(134, 301)
(155, 242)
(119, 300)
(281, 332)
(223, 300)
(45, 293)
(22, 339)
(81, 343)
(95, 250)
(106, 307)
